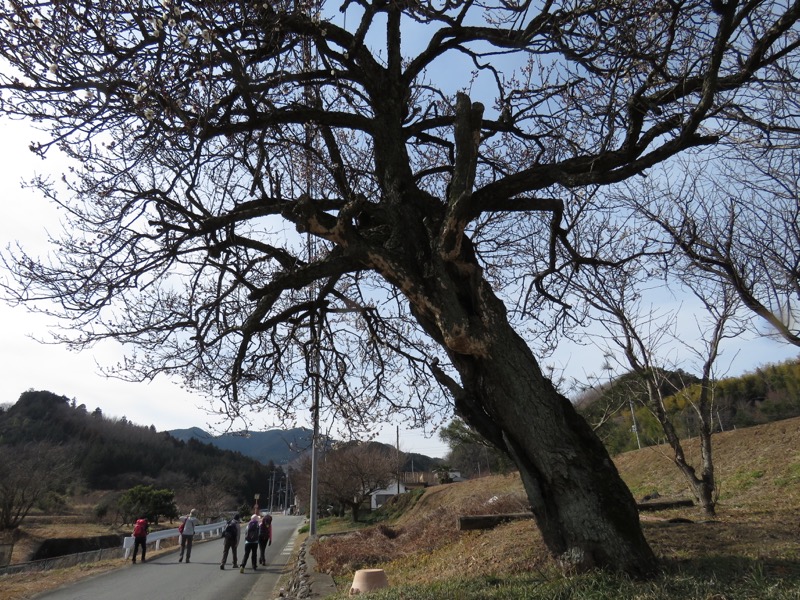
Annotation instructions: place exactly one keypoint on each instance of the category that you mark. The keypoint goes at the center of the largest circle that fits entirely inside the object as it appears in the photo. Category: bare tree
(642, 335)
(27, 473)
(300, 473)
(721, 305)
(205, 132)
(737, 219)
(208, 494)
(353, 471)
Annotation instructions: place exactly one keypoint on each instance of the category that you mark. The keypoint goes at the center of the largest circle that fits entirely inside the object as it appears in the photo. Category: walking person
(230, 538)
(140, 530)
(187, 529)
(264, 538)
(251, 542)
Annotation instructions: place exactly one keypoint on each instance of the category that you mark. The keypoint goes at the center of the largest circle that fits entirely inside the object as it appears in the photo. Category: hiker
(251, 542)
(264, 537)
(140, 531)
(230, 536)
(187, 533)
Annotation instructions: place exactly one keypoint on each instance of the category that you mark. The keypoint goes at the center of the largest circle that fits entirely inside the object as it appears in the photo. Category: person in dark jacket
(264, 538)
(231, 540)
(251, 542)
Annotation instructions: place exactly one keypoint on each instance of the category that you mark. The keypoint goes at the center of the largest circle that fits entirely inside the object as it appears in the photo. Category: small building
(451, 476)
(418, 479)
(379, 497)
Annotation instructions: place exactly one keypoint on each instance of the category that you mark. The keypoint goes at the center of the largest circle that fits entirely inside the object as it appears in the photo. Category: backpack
(140, 529)
(230, 530)
(182, 525)
(252, 532)
(263, 530)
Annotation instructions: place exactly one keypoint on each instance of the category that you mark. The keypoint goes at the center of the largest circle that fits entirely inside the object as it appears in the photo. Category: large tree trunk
(586, 514)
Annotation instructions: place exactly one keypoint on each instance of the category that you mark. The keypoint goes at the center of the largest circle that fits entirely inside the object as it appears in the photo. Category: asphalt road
(164, 577)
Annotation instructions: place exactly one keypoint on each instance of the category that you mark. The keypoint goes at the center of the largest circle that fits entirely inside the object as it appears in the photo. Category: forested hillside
(116, 454)
(768, 394)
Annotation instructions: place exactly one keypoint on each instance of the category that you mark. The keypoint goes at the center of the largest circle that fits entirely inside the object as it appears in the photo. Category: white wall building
(379, 497)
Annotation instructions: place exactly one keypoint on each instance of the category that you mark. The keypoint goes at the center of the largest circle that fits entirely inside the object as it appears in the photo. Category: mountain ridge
(281, 446)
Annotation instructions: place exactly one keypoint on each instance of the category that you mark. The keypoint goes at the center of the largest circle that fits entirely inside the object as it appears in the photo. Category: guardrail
(205, 531)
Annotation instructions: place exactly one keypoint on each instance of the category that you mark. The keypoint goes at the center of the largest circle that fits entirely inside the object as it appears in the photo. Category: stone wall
(304, 581)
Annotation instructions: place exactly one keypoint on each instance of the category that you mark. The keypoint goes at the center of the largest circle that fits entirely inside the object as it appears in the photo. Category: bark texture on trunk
(587, 515)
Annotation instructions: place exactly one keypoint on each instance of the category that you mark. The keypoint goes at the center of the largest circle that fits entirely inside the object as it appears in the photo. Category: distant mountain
(277, 445)
(114, 454)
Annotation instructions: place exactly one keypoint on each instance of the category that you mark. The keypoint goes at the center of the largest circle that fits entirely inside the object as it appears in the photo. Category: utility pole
(312, 522)
(271, 491)
(399, 466)
(635, 425)
(312, 11)
(286, 498)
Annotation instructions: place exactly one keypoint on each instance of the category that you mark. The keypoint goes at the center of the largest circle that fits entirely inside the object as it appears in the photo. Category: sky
(27, 364)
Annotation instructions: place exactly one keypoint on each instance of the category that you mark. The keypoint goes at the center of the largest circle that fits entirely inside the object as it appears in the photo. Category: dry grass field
(754, 534)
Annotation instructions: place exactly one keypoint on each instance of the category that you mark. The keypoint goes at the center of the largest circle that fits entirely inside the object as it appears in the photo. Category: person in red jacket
(140, 531)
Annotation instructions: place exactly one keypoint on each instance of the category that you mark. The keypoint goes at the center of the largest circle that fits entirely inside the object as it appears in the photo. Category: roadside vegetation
(749, 550)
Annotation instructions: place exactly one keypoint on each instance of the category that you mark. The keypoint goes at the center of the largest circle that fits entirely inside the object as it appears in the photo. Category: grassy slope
(756, 468)
(754, 534)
